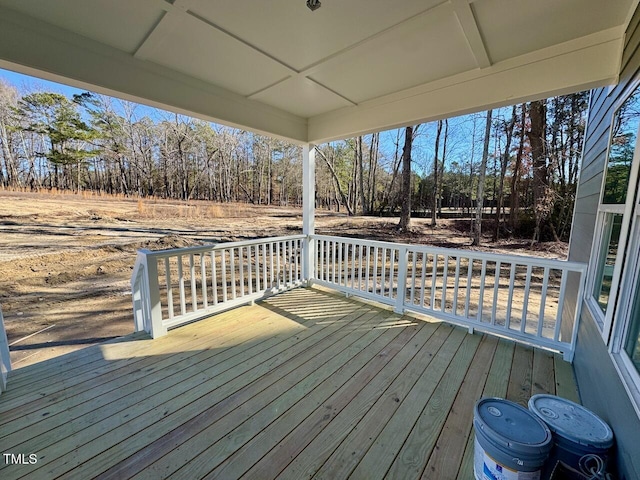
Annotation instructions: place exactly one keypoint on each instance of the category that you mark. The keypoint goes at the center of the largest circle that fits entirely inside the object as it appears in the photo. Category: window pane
(632, 346)
(607, 259)
(623, 143)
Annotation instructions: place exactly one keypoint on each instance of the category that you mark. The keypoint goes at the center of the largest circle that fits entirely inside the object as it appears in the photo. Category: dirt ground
(66, 260)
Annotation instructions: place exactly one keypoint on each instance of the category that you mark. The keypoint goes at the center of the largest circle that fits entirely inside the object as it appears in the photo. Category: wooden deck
(305, 384)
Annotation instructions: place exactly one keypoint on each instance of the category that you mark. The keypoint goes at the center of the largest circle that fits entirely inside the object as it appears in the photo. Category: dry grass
(167, 209)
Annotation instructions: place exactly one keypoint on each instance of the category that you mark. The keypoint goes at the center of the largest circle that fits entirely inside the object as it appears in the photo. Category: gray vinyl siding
(601, 389)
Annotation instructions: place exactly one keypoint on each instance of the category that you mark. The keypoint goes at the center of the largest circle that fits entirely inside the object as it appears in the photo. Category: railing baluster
(223, 267)
(384, 269)
(278, 254)
(183, 302)
(455, 287)
(194, 290)
(496, 286)
(512, 281)
(392, 261)
(412, 285)
(232, 268)
(375, 270)
(265, 273)
(257, 260)
(203, 277)
(167, 269)
(445, 275)
(291, 258)
(360, 267)
(525, 304)
(368, 269)
(214, 277)
(468, 295)
(423, 278)
(483, 275)
(353, 265)
(434, 279)
(543, 299)
(241, 269)
(249, 269)
(271, 264)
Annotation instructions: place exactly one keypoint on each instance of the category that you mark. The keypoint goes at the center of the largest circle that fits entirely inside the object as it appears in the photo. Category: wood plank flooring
(307, 384)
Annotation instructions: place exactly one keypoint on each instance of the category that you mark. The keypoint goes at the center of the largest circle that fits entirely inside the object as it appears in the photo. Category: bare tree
(405, 212)
(477, 230)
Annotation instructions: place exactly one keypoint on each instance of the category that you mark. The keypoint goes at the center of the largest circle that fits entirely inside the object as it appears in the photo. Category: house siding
(601, 389)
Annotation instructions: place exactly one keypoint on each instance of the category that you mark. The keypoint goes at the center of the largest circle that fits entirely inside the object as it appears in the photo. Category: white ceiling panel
(310, 36)
(195, 48)
(514, 27)
(302, 97)
(122, 24)
(412, 54)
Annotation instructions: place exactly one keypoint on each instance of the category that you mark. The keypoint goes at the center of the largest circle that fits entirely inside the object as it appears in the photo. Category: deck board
(307, 384)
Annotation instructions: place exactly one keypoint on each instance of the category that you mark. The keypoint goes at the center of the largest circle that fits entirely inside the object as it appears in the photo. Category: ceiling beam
(469, 26)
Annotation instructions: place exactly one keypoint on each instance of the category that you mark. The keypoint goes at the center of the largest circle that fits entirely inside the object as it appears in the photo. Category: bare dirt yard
(66, 260)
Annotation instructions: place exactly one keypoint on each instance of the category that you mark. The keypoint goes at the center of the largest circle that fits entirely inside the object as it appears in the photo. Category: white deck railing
(5, 359)
(518, 297)
(173, 287)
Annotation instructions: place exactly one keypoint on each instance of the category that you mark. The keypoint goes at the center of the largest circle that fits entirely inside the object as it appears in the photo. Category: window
(614, 212)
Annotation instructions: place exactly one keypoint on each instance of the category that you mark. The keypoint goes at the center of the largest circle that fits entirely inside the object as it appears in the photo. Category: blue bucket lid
(572, 421)
(512, 426)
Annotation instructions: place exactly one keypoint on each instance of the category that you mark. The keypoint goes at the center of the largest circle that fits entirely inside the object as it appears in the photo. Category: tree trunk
(514, 203)
(537, 114)
(345, 200)
(434, 193)
(477, 231)
(405, 212)
(503, 171)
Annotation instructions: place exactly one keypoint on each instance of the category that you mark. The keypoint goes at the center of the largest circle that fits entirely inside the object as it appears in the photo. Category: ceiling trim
(580, 64)
(34, 47)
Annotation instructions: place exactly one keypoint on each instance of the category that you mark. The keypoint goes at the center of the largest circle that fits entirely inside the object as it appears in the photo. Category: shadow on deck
(307, 383)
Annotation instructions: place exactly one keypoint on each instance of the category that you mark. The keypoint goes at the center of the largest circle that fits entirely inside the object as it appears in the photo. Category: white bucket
(511, 443)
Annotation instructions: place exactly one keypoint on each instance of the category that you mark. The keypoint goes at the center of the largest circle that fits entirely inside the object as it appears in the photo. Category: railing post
(151, 295)
(5, 358)
(401, 293)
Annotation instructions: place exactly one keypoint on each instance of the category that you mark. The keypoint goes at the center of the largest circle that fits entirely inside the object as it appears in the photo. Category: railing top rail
(475, 254)
(217, 246)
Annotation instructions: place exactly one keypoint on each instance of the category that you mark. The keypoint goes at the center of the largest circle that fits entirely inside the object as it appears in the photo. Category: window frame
(605, 320)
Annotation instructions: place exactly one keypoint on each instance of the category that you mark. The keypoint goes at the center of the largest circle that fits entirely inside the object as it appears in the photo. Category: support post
(308, 211)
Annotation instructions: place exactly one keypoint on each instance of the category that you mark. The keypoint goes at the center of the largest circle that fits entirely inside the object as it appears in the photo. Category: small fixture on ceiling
(313, 4)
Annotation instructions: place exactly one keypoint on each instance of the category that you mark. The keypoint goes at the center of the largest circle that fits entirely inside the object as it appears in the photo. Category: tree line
(518, 164)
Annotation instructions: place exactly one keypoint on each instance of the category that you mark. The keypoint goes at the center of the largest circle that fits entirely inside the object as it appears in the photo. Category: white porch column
(308, 210)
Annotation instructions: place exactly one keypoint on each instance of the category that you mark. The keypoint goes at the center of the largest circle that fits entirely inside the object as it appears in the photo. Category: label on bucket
(486, 468)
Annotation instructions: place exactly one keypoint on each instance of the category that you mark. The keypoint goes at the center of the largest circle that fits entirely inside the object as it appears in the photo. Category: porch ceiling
(350, 67)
